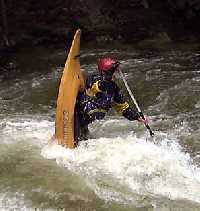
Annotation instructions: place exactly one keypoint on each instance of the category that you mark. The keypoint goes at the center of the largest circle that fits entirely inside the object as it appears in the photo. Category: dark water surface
(121, 167)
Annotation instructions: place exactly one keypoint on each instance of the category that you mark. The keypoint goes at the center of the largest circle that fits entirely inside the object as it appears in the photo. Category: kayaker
(100, 95)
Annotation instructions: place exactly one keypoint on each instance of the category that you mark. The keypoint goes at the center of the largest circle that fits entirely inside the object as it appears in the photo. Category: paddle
(135, 102)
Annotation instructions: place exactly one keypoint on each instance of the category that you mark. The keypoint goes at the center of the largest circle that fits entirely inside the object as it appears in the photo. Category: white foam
(55, 151)
(24, 129)
(12, 201)
(118, 168)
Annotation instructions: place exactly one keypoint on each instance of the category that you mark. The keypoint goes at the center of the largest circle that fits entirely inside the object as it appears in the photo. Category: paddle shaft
(135, 102)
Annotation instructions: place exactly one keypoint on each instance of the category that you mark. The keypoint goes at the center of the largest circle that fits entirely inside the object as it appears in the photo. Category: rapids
(120, 167)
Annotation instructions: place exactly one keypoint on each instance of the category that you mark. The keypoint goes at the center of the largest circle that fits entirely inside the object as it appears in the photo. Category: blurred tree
(4, 24)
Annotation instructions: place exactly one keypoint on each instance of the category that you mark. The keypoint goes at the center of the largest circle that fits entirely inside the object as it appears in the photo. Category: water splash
(128, 170)
(25, 129)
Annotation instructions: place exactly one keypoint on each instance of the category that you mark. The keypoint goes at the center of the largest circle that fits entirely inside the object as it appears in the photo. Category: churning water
(120, 167)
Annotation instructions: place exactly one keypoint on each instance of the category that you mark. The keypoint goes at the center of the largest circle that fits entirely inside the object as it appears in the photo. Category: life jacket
(105, 94)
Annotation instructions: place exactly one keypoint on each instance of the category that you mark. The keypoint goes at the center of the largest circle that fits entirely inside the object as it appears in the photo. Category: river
(120, 167)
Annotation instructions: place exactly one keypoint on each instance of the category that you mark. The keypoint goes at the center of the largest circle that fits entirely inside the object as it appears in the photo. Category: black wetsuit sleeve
(131, 114)
(122, 106)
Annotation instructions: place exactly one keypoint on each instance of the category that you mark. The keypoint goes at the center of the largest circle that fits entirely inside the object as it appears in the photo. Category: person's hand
(145, 120)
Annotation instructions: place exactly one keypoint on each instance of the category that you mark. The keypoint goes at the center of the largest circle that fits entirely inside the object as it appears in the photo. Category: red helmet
(107, 64)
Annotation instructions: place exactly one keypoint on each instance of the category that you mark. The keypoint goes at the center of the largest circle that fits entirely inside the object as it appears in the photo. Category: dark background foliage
(45, 22)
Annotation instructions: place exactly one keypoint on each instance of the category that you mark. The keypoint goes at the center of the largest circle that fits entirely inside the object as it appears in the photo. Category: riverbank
(33, 23)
